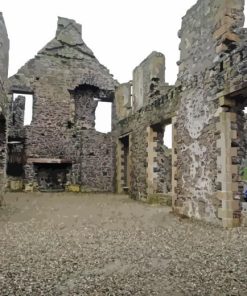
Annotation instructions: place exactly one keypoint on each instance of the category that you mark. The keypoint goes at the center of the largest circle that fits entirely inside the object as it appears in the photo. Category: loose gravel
(71, 244)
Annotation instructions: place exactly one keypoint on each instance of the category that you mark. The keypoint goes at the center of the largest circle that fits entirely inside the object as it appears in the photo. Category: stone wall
(207, 28)
(85, 105)
(67, 81)
(146, 79)
(148, 160)
(207, 31)
(124, 101)
(4, 49)
(94, 167)
(205, 106)
(4, 54)
(206, 109)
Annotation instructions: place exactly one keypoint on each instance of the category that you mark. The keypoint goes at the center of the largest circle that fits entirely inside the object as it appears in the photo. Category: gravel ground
(69, 244)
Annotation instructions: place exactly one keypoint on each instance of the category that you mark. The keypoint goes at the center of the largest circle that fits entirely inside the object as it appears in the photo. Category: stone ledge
(49, 160)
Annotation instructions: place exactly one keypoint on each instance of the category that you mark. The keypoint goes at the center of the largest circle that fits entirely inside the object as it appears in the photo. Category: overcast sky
(121, 33)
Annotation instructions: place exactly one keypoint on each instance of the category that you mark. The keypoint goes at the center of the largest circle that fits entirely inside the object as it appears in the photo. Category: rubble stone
(66, 81)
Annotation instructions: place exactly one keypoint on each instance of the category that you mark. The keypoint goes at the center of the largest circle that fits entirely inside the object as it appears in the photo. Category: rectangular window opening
(22, 109)
(167, 139)
(161, 141)
(103, 116)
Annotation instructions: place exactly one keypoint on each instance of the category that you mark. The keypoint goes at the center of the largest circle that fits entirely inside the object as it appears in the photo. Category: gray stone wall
(4, 54)
(205, 26)
(95, 165)
(209, 94)
(147, 77)
(65, 78)
(85, 106)
(206, 105)
(4, 49)
(197, 153)
(207, 29)
(138, 160)
(158, 106)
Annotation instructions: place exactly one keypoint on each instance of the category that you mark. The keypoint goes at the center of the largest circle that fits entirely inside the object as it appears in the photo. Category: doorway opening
(124, 162)
(16, 157)
(160, 158)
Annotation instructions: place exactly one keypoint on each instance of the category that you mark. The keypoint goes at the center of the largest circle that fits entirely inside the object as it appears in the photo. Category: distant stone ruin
(203, 173)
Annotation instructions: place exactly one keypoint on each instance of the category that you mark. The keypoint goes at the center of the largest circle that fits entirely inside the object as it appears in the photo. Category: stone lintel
(49, 161)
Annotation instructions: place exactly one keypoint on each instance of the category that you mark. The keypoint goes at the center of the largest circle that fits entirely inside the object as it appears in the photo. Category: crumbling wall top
(68, 32)
(67, 58)
(4, 49)
(208, 28)
(4, 63)
(147, 77)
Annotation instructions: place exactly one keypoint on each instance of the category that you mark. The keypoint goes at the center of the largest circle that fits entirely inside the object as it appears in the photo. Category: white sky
(121, 33)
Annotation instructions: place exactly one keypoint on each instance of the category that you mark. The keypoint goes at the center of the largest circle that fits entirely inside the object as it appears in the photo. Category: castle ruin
(60, 149)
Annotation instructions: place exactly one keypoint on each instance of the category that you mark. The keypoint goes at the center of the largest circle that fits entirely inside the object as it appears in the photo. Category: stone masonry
(4, 49)
(203, 172)
(205, 107)
(143, 115)
(66, 81)
(203, 187)
(4, 54)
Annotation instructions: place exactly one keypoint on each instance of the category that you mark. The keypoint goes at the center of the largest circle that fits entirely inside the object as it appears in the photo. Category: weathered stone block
(73, 188)
(16, 185)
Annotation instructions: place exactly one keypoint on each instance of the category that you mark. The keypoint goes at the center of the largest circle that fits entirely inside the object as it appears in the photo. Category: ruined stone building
(205, 108)
(60, 148)
(203, 172)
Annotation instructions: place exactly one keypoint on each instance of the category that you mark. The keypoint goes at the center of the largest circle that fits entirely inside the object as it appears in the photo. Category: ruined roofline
(68, 34)
(1, 17)
(4, 24)
(4, 50)
(63, 22)
(66, 51)
(195, 6)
